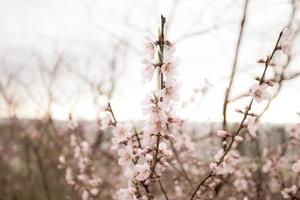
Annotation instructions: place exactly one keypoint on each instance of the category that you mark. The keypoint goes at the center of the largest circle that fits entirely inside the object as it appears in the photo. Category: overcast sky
(83, 30)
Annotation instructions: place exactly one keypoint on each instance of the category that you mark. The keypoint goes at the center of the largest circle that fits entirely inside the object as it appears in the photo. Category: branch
(241, 125)
(234, 66)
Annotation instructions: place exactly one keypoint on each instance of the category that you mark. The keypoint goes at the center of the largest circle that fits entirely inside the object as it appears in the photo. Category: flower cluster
(79, 172)
(144, 154)
(227, 166)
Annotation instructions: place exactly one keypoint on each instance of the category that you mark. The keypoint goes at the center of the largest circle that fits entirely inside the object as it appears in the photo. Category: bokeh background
(61, 60)
(68, 56)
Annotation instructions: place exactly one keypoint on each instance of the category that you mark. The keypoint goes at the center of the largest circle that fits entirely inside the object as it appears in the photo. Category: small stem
(112, 114)
(234, 66)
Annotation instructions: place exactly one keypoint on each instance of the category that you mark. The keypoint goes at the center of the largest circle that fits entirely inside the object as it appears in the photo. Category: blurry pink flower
(62, 159)
(296, 166)
(294, 132)
(228, 164)
(128, 173)
(166, 154)
(251, 125)
(286, 41)
(126, 156)
(219, 154)
(223, 134)
(171, 90)
(241, 184)
(238, 138)
(94, 191)
(142, 172)
(148, 70)
(106, 121)
(169, 68)
(260, 93)
(289, 192)
(85, 195)
(85, 147)
(149, 157)
(122, 132)
(150, 47)
(69, 176)
(267, 166)
(213, 166)
(105, 108)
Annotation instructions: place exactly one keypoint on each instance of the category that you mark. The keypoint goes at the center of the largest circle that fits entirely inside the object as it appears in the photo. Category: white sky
(41, 26)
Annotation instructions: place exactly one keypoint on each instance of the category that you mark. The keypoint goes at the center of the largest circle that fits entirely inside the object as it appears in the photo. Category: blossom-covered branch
(226, 157)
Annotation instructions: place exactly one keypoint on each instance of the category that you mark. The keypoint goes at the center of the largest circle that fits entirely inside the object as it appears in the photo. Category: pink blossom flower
(62, 159)
(142, 172)
(148, 70)
(296, 166)
(106, 121)
(122, 132)
(150, 47)
(294, 132)
(94, 191)
(69, 176)
(289, 192)
(85, 147)
(228, 164)
(219, 154)
(165, 153)
(267, 166)
(241, 184)
(286, 41)
(105, 108)
(223, 134)
(238, 138)
(126, 156)
(170, 92)
(251, 126)
(85, 195)
(260, 93)
(128, 173)
(169, 68)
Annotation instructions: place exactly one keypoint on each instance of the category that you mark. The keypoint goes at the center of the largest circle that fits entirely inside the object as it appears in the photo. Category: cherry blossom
(171, 92)
(142, 172)
(150, 47)
(126, 156)
(296, 166)
(148, 70)
(289, 192)
(286, 41)
(259, 92)
(223, 134)
(122, 132)
(169, 68)
(106, 121)
(228, 165)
